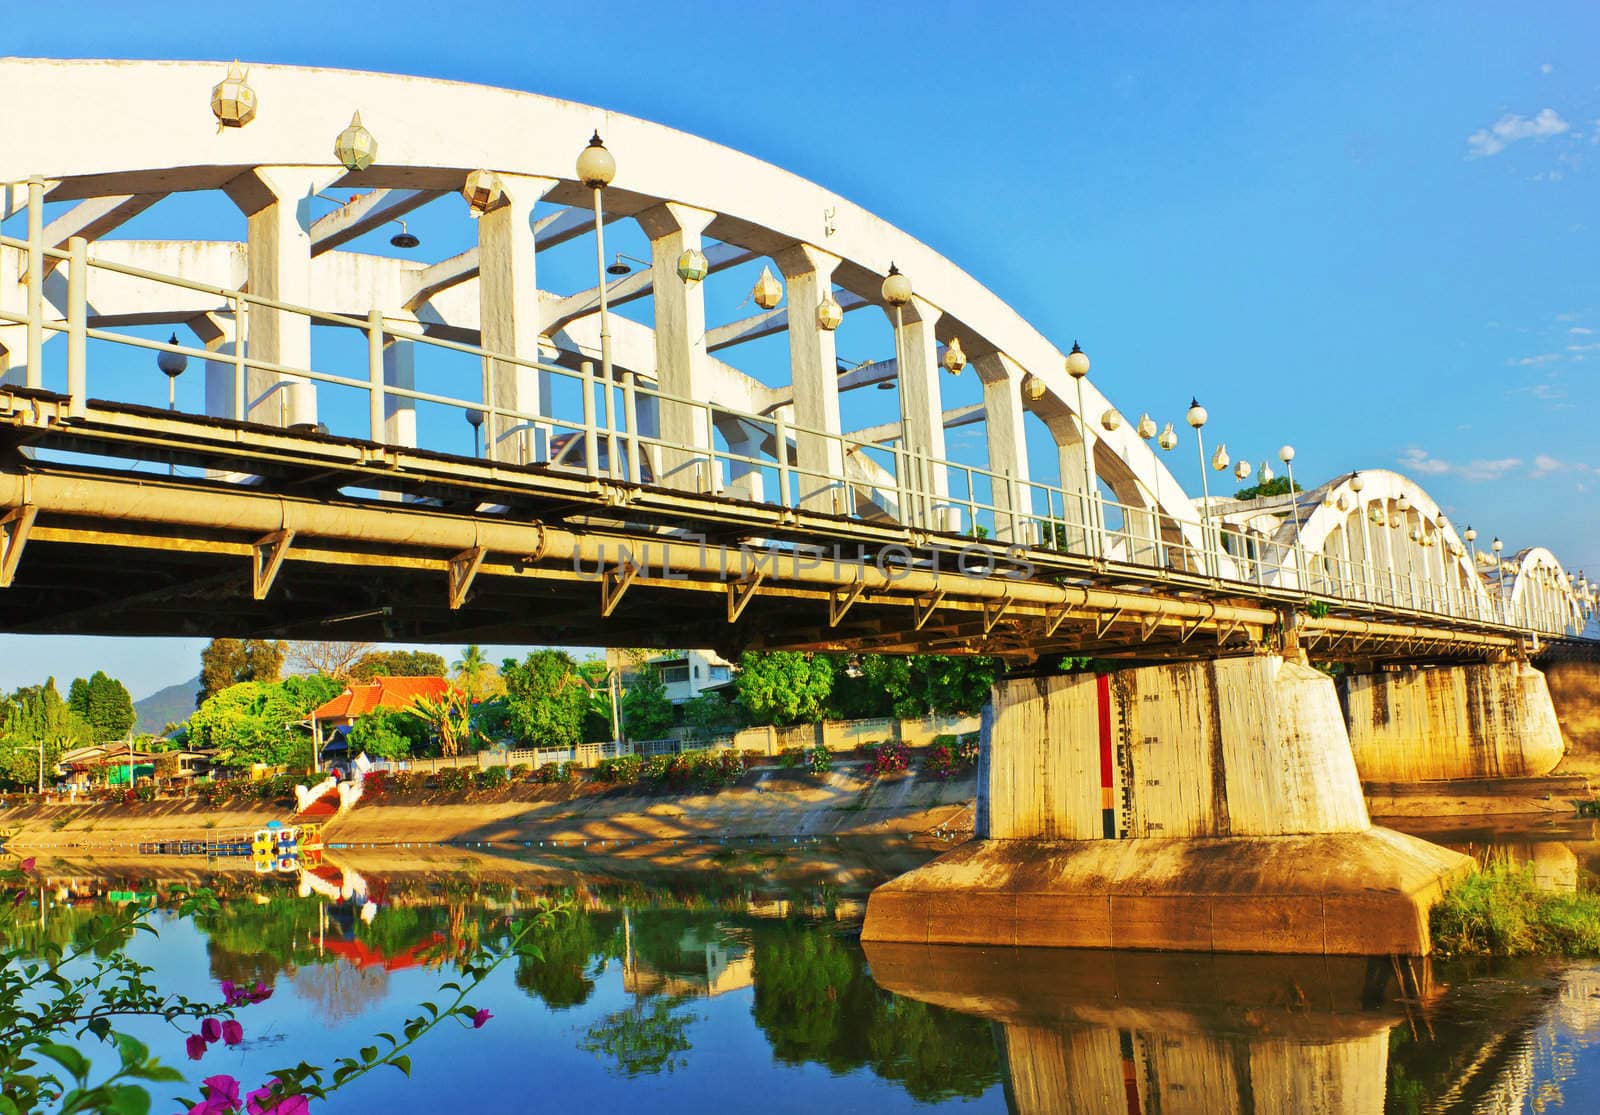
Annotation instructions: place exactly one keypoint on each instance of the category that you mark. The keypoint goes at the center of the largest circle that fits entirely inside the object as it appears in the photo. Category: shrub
(375, 784)
(519, 771)
(553, 773)
(819, 760)
(723, 768)
(624, 768)
(145, 791)
(888, 757)
(656, 768)
(950, 756)
(1502, 912)
(791, 757)
(452, 780)
(491, 778)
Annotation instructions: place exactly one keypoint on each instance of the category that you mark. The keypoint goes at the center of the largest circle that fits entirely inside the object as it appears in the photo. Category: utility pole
(41, 765)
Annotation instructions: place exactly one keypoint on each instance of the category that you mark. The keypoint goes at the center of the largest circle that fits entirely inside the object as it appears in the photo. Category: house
(689, 673)
(109, 763)
(331, 720)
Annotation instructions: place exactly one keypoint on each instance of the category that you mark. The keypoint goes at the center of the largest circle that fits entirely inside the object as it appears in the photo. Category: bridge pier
(1575, 694)
(1487, 720)
(1205, 806)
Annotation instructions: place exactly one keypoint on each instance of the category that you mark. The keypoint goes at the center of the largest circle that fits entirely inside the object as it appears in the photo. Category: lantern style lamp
(233, 101)
(1357, 483)
(1220, 459)
(1077, 362)
(1146, 427)
(767, 292)
(1265, 472)
(355, 148)
(595, 169)
(954, 359)
(1241, 471)
(1034, 387)
(692, 265)
(1168, 439)
(829, 313)
(1111, 421)
(483, 191)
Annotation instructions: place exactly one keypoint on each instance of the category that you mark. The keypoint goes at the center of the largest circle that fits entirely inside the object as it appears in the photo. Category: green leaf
(388, 1038)
(369, 1053)
(133, 1051)
(8, 1106)
(100, 1027)
(129, 1099)
(74, 1062)
(403, 1063)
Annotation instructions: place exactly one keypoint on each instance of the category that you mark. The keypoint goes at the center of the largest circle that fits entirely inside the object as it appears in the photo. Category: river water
(730, 978)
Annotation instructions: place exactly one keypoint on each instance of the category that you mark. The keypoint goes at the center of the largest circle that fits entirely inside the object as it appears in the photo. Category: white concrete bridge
(338, 367)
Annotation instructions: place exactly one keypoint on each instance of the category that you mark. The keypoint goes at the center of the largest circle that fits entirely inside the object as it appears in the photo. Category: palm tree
(469, 669)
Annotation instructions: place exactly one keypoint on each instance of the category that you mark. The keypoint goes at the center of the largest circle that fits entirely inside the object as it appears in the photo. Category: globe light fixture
(896, 287)
(1403, 503)
(1146, 427)
(355, 148)
(475, 420)
(1197, 414)
(233, 101)
(1497, 545)
(1357, 483)
(1286, 454)
(172, 364)
(596, 168)
(954, 359)
(1077, 362)
(1469, 534)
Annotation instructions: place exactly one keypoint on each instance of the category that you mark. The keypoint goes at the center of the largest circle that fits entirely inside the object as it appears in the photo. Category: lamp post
(1286, 455)
(172, 364)
(1471, 537)
(896, 292)
(1197, 421)
(596, 168)
(1078, 368)
(475, 420)
(1499, 577)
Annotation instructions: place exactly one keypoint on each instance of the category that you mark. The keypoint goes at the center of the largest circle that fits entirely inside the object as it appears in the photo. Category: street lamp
(896, 292)
(596, 168)
(1078, 368)
(1197, 421)
(1286, 455)
(173, 364)
(1499, 576)
(475, 420)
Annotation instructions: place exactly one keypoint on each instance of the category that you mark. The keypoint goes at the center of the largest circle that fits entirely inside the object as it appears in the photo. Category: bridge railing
(618, 429)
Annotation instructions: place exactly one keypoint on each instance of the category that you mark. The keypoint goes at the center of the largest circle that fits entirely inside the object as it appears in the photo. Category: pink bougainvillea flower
(211, 1030)
(222, 1092)
(256, 1101)
(195, 1046)
(230, 993)
(232, 1034)
(480, 1018)
(294, 1105)
(27, 864)
(261, 993)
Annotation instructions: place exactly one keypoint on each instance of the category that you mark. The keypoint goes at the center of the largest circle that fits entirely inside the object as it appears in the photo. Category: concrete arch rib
(1541, 594)
(1387, 542)
(94, 128)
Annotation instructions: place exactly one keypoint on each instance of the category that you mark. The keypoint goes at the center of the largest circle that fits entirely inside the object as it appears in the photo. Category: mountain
(175, 702)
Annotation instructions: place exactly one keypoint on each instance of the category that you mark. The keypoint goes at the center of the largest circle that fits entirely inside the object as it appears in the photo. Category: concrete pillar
(1195, 806)
(1075, 481)
(399, 412)
(1491, 720)
(921, 408)
(276, 201)
(1575, 695)
(1008, 445)
(814, 372)
(683, 367)
(217, 332)
(508, 320)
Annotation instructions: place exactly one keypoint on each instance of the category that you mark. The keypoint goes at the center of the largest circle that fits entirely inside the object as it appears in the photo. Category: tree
(710, 713)
(331, 659)
(390, 734)
(258, 721)
(227, 662)
(646, 712)
(31, 716)
(546, 698)
(104, 704)
(450, 718)
(471, 670)
(1277, 486)
(919, 684)
(398, 664)
(785, 687)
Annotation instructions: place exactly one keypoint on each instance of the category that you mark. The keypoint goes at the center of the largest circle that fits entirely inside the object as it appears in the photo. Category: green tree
(227, 662)
(449, 719)
(390, 734)
(104, 704)
(398, 664)
(785, 687)
(646, 712)
(546, 698)
(710, 713)
(1277, 486)
(919, 684)
(259, 721)
(476, 675)
(34, 715)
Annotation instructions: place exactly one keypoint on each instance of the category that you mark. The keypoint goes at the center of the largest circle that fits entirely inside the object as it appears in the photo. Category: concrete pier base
(1196, 806)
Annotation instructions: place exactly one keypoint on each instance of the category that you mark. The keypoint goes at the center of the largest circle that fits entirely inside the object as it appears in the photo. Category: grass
(1502, 912)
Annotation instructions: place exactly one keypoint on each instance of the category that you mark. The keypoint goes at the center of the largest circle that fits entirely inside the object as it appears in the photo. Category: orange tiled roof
(362, 697)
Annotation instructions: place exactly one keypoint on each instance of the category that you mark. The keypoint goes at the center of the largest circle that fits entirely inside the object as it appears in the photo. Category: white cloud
(1580, 331)
(1590, 347)
(1510, 128)
(1546, 68)
(1535, 361)
(1544, 465)
(1417, 462)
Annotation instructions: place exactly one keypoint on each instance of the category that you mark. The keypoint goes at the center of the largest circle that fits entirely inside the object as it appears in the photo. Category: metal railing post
(630, 421)
(375, 374)
(77, 327)
(591, 437)
(35, 282)
(241, 315)
(780, 430)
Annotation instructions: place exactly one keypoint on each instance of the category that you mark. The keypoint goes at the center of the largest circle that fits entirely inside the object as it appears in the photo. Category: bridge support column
(276, 202)
(1197, 806)
(814, 372)
(1575, 694)
(921, 413)
(683, 367)
(1008, 448)
(400, 412)
(508, 320)
(1491, 720)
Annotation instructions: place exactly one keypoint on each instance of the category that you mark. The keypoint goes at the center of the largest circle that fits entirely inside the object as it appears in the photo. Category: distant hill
(175, 702)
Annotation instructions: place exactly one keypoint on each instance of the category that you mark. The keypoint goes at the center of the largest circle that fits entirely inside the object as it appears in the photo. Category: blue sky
(1366, 229)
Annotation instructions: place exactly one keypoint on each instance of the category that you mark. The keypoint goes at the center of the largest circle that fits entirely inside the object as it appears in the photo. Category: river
(724, 978)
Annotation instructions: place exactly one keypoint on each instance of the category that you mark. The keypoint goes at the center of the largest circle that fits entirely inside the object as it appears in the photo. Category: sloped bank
(764, 802)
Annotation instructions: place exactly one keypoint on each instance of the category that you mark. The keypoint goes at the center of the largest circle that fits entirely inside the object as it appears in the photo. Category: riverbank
(765, 802)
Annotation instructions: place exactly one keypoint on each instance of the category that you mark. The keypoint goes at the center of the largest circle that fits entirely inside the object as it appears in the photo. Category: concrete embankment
(764, 803)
